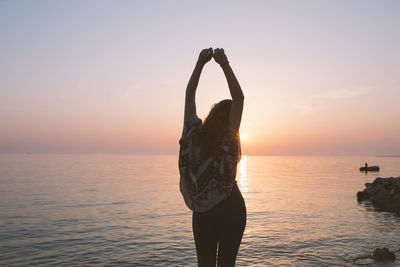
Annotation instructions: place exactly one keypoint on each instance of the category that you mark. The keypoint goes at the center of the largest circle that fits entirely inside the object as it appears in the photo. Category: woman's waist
(234, 199)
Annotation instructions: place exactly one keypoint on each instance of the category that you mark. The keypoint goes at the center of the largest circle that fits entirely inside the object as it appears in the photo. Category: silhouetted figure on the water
(208, 157)
(367, 168)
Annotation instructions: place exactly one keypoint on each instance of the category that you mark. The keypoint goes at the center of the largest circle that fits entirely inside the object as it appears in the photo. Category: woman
(208, 157)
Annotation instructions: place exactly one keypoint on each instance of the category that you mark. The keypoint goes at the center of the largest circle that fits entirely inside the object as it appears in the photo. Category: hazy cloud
(343, 92)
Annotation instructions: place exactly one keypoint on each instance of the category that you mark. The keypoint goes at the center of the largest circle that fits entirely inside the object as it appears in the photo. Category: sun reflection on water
(243, 182)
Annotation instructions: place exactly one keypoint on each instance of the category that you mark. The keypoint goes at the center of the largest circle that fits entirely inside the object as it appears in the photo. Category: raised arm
(190, 98)
(235, 115)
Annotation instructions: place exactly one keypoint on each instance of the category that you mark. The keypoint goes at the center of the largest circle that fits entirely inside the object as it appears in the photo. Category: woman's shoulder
(192, 120)
(190, 127)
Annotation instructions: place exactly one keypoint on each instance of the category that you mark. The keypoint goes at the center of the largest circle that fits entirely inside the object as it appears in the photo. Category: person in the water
(208, 157)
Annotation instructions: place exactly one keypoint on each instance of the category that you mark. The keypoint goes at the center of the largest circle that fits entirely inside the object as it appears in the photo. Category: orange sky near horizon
(94, 77)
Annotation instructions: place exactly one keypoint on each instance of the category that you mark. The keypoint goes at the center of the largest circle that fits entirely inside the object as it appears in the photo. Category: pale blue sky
(319, 77)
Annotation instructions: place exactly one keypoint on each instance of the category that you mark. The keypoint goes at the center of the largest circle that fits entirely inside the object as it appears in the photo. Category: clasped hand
(218, 54)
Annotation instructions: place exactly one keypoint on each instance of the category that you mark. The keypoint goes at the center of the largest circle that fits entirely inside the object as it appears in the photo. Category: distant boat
(369, 169)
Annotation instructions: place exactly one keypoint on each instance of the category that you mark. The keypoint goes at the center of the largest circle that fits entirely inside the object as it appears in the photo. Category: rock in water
(382, 254)
(383, 193)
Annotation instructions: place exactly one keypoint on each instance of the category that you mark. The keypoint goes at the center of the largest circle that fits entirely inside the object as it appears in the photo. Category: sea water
(126, 210)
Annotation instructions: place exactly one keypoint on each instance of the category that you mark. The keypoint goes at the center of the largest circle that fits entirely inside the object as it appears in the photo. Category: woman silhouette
(208, 157)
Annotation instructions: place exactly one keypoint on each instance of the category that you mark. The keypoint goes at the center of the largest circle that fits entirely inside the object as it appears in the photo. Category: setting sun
(243, 136)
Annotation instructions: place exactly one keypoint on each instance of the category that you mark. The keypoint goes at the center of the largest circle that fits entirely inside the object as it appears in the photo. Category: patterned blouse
(205, 183)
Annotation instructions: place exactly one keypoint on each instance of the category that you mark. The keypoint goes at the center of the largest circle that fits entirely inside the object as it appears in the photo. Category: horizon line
(177, 154)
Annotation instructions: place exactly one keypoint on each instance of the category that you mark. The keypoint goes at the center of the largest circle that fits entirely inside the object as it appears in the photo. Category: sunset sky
(319, 77)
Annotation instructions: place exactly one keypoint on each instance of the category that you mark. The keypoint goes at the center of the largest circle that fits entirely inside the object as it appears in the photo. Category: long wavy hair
(215, 127)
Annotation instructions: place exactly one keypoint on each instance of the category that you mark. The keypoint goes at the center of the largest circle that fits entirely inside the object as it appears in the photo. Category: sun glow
(243, 136)
(243, 176)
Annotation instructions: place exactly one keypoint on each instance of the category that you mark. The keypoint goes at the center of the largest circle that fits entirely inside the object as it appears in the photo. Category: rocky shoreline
(383, 193)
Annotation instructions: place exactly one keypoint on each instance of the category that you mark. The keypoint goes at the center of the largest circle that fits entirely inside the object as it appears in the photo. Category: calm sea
(78, 210)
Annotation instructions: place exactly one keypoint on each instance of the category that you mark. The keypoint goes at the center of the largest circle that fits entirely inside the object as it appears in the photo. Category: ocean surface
(126, 210)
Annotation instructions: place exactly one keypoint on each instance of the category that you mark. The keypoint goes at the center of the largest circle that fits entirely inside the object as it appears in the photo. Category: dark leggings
(223, 225)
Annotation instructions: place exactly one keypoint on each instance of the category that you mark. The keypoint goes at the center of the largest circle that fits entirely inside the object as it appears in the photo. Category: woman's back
(206, 178)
